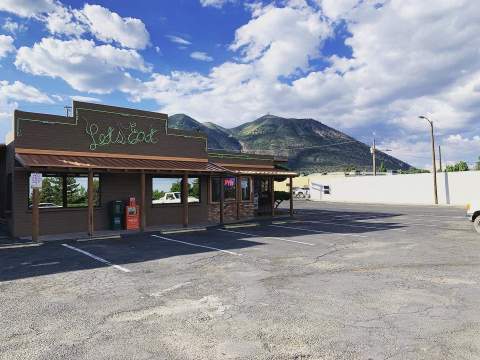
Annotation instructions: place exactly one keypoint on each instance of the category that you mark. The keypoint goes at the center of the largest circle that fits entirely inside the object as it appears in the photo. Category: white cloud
(105, 25)
(202, 56)
(64, 21)
(6, 45)
(337, 8)
(82, 64)
(13, 27)
(27, 8)
(86, 99)
(109, 26)
(178, 40)
(215, 3)
(19, 91)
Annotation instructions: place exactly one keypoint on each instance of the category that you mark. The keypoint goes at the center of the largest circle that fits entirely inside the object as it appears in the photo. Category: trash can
(117, 210)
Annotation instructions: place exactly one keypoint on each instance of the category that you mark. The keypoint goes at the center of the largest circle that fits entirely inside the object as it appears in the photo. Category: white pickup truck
(473, 213)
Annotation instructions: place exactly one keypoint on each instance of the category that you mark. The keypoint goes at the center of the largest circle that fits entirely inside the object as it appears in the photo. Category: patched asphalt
(339, 281)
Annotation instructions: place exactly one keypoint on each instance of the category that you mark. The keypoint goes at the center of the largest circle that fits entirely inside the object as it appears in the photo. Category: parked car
(173, 198)
(473, 213)
(301, 193)
(46, 206)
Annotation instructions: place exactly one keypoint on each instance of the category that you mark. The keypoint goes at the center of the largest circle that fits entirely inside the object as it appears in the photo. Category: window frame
(64, 205)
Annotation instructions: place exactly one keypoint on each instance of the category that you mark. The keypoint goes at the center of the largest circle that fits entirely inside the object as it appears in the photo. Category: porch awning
(241, 170)
(29, 160)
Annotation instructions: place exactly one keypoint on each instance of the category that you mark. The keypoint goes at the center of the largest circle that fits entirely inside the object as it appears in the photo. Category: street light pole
(435, 192)
(374, 158)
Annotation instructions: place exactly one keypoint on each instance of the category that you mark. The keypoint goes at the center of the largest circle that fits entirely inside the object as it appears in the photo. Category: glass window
(194, 190)
(229, 188)
(77, 191)
(51, 193)
(215, 189)
(66, 191)
(166, 190)
(246, 189)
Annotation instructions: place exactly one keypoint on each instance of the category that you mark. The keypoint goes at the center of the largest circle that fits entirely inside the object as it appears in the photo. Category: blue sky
(363, 67)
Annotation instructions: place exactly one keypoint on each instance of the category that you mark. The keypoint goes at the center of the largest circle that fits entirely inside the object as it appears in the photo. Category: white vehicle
(173, 198)
(473, 213)
(301, 193)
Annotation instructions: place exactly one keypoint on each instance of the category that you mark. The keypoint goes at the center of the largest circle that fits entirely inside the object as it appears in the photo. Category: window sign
(36, 180)
(229, 188)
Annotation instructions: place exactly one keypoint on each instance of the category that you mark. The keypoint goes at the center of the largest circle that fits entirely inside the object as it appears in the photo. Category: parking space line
(47, 264)
(197, 245)
(118, 267)
(268, 237)
(318, 231)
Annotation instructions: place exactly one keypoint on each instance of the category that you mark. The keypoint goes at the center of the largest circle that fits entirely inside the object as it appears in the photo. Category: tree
(477, 165)
(281, 196)
(51, 191)
(382, 168)
(459, 166)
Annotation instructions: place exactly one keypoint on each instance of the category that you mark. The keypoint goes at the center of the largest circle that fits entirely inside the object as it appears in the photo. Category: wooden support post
(272, 194)
(222, 198)
(143, 205)
(238, 196)
(35, 214)
(90, 202)
(185, 199)
(291, 195)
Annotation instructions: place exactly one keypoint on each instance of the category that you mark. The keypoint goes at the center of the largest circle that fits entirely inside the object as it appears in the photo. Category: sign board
(36, 180)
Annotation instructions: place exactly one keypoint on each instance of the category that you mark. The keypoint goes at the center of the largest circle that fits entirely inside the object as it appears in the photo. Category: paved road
(340, 281)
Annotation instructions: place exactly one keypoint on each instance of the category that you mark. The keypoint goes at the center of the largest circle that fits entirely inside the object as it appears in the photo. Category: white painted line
(118, 267)
(47, 264)
(197, 245)
(318, 231)
(17, 246)
(268, 237)
(108, 237)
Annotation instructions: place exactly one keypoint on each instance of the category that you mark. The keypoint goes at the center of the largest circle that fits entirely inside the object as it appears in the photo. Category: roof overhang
(46, 159)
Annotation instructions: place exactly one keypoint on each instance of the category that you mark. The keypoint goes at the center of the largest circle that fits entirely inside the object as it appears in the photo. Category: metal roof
(93, 162)
(240, 170)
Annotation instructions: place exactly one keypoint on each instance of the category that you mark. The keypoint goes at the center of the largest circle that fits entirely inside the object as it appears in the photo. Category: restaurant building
(103, 154)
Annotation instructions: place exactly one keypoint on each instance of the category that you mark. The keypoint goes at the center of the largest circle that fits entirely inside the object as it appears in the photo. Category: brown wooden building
(105, 153)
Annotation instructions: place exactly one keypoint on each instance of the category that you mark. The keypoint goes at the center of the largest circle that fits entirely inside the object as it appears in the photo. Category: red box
(132, 215)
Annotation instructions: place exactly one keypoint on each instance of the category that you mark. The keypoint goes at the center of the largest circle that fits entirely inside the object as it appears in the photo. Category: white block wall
(458, 188)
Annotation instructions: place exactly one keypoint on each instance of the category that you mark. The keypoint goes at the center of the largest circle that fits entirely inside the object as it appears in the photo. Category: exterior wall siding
(113, 186)
(247, 211)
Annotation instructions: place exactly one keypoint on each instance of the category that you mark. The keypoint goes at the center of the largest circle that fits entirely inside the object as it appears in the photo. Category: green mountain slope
(218, 137)
(310, 145)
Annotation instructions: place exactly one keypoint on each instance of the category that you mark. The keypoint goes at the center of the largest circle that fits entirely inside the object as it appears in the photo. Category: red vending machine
(132, 215)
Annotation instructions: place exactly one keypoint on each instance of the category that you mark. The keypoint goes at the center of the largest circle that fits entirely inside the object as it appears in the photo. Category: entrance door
(262, 191)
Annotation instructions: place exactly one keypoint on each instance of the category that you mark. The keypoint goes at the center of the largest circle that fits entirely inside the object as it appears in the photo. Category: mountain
(218, 137)
(310, 145)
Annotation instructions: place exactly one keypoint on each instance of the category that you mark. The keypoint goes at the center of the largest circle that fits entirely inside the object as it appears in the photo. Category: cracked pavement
(378, 282)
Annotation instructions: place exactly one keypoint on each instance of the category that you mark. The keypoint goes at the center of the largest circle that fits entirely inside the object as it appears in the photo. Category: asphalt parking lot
(339, 281)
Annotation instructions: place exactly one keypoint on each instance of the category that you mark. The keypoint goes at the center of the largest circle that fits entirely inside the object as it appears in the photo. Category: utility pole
(435, 192)
(67, 110)
(373, 150)
(440, 157)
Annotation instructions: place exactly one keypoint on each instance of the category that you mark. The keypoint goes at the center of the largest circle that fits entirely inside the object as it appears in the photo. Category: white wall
(458, 188)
